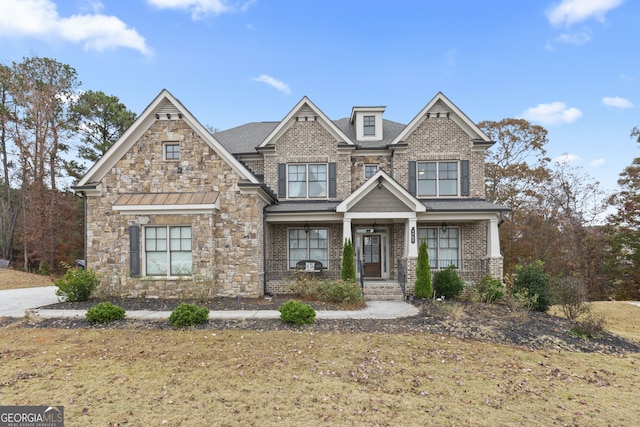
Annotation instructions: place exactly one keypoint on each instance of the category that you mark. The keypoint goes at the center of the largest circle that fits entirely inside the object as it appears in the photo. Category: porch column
(493, 239)
(346, 230)
(411, 234)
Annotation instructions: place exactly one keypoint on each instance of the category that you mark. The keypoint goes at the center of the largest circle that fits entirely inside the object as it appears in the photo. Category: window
(307, 180)
(370, 170)
(171, 151)
(443, 245)
(312, 245)
(168, 251)
(438, 179)
(369, 123)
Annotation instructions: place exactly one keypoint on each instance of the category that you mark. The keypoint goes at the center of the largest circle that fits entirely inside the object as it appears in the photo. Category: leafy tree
(423, 287)
(100, 119)
(625, 229)
(536, 282)
(348, 272)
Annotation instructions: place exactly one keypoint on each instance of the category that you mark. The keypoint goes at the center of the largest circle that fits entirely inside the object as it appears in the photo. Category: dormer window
(369, 125)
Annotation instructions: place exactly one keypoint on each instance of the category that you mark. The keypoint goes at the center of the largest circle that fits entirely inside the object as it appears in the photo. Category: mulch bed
(496, 323)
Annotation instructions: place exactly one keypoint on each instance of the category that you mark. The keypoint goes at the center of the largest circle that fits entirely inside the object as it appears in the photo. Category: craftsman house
(175, 211)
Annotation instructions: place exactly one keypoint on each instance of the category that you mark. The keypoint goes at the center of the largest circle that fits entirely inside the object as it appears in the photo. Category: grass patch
(621, 316)
(292, 378)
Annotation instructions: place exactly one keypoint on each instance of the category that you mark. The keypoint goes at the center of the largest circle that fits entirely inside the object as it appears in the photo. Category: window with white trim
(438, 179)
(370, 170)
(168, 251)
(171, 151)
(307, 180)
(312, 245)
(369, 125)
(443, 244)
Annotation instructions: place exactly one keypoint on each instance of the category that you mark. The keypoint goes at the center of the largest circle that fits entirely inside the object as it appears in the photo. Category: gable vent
(168, 111)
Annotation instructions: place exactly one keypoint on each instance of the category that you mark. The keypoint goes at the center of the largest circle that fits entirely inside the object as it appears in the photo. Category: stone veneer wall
(357, 169)
(227, 244)
(440, 139)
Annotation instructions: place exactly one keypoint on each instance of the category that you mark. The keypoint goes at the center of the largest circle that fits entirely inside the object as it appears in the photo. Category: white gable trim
(317, 115)
(396, 189)
(461, 119)
(142, 124)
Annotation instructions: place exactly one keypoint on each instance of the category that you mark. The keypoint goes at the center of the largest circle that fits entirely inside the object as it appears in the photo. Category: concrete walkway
(20, 302)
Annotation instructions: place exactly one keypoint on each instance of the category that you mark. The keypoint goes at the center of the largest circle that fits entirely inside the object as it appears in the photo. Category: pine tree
(423, 287)
(348, 272)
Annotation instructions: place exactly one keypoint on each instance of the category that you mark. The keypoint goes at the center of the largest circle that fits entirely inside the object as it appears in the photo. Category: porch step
(382, 291)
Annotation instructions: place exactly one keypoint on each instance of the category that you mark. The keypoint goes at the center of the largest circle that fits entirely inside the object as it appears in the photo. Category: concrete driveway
(16, 302)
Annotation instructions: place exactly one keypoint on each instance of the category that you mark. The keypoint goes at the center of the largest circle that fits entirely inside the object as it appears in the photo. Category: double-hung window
(168, 251)
(307, 180)
(369, 125)
(443, 245)
(438, 178)
(308, 245)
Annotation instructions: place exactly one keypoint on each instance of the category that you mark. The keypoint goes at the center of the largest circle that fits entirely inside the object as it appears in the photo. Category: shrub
(304, 285)
(188, 315)
(77, 284)
(592, 326)
(340, 292)
(423, 287)
(348, 271)
(297, 312)
(570, 294)
(532, 278)
(488, 290)
(447, 283)
(104, 312)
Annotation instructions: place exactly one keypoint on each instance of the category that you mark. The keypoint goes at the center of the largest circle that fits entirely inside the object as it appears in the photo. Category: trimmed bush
(423, 287)
(340, 292)
(348, 272)
(297, 313)
(77, 284)
(532, 278)
(488, 290)
(105, 312)
(186, 315)
(447, 283)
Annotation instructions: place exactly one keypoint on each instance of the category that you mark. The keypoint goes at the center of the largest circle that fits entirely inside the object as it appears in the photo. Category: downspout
(84, 228)
(264, 250)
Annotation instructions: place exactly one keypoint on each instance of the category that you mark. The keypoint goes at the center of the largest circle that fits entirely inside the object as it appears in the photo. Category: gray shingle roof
(244, 139)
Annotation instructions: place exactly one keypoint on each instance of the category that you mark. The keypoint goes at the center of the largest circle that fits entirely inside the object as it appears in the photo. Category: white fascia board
(304, 217)
(379, 215)
(289, 119)
(457, 216)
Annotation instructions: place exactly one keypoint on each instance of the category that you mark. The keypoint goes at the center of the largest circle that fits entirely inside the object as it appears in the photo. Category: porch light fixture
(306, 228)
(375, 227)
(444, 227)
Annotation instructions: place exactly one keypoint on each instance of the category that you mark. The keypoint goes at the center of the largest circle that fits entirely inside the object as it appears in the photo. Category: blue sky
(571, 66)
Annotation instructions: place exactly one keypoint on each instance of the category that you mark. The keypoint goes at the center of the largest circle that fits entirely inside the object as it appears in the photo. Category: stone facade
(226, 243)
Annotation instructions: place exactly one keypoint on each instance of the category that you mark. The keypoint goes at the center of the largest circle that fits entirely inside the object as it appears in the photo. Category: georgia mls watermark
(31, 416)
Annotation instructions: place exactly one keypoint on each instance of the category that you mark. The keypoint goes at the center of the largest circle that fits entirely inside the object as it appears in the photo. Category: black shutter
(134, 250)
(464, 177)
(412, 178)
(282, 180)
(332, 180)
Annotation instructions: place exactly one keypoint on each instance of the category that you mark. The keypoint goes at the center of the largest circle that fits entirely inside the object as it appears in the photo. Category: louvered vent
(168, 111)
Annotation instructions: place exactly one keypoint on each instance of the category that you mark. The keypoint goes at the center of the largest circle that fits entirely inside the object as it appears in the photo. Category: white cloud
(572, 11)
(578, 38)
(617, 102)
(553, 113)
(40, 19)
(201, 8)
(282, 87)
(568, 158)
(597, 163)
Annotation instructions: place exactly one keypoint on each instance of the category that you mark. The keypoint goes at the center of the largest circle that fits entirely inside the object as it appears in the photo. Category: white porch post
(346, 230)
(493, 239)
(411, 233)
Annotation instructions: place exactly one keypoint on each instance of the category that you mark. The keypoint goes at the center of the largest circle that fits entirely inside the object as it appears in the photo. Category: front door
(371, 255)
